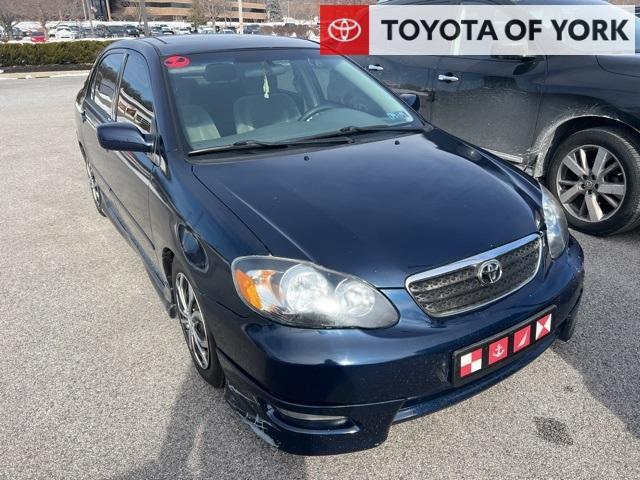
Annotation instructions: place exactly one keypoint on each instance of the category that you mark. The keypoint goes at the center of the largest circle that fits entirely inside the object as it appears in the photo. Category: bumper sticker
(487, 355)
(522, 338)
(543, 326)
(471, 362)
(498, 350)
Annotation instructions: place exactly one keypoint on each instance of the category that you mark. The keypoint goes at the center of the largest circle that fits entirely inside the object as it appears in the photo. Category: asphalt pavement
(96, 381)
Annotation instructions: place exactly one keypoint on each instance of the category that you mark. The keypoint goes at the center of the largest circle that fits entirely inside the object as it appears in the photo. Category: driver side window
(103, 90)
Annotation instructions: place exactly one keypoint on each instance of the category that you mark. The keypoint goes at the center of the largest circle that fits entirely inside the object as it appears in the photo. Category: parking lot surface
(96, 381)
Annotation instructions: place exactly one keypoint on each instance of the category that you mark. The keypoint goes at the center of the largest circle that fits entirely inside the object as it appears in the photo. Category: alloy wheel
(591, 183)
(192, 321)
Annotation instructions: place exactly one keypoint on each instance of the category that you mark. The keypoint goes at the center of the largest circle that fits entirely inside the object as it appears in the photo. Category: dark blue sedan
(337, 264)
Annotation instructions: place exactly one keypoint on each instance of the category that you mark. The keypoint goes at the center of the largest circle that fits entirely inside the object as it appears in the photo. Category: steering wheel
(312, 112)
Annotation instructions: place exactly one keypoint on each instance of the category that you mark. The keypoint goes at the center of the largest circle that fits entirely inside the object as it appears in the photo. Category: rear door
(490, 101)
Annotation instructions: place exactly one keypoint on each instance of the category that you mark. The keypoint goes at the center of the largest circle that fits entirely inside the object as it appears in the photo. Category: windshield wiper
(252, 144)
(371, 128)
(381, 128)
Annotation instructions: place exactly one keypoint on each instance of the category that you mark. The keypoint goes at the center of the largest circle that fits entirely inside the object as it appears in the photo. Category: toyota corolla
(336, 264)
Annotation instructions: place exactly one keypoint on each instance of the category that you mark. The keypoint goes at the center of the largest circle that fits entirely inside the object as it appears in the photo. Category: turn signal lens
(247, 289)
(302, 294)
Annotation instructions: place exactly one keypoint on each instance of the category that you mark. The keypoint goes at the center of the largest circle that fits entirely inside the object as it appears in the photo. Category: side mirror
(512, 51)
(412, 100)
(124, 137)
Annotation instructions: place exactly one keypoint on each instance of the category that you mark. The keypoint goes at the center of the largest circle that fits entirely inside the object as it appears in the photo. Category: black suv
(575, 121)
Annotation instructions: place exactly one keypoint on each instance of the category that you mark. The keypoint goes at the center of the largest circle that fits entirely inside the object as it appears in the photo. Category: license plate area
(491, 354)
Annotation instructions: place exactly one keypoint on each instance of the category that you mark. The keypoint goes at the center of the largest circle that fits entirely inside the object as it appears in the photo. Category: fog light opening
(311, 421)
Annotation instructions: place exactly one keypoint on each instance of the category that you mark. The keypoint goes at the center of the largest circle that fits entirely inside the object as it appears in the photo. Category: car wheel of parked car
(95, 189)
(196, 333)
(596, 175)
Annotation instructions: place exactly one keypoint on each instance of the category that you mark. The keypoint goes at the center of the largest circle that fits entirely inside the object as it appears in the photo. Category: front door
(123, 176)
(404, 74)
(130, 173)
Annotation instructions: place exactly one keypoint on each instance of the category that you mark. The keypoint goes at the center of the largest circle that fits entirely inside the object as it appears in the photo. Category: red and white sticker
(522, 338)
(471, 362)
(498, 350)
(176, 61)
(543, 326)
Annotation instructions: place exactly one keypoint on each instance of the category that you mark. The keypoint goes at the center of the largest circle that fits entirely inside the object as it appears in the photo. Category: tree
(9, 16)
(45, 11)
(213, 9)
(197, 14)
(274, 12)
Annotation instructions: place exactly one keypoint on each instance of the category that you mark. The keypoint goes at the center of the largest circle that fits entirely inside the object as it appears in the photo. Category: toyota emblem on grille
(489, 272)
(344, 30)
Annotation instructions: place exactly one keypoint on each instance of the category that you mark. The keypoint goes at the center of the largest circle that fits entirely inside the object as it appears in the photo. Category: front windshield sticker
(176, 61)
(398, 116)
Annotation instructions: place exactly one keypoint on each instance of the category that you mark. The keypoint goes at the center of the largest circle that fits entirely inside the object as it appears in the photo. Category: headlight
(556, 223)
(302, 294)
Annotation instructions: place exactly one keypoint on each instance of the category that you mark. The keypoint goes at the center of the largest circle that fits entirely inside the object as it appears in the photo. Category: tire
(96, 194)
(587, 206)
(195, 328)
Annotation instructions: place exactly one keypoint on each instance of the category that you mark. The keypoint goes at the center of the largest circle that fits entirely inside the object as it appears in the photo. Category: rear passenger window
(135, 102)
(104, 85)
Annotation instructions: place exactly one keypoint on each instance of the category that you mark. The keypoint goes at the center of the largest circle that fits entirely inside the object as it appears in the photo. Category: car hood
(381, 210)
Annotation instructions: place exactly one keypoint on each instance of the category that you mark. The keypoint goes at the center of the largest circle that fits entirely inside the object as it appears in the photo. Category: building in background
(253, 11)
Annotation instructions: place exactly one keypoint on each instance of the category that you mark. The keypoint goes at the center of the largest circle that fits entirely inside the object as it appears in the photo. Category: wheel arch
(552, 137)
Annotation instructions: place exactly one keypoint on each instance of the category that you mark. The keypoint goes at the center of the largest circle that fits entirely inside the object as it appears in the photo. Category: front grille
(457, 287)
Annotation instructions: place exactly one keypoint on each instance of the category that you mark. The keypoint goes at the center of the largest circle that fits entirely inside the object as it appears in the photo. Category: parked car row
(72, 31)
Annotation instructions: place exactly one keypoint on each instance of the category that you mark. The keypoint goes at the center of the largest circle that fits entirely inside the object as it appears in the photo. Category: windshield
(276, 96)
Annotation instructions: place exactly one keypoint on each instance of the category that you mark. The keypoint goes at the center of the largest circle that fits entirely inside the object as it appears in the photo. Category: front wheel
(596, 175)
(199, 340)
(95, 189)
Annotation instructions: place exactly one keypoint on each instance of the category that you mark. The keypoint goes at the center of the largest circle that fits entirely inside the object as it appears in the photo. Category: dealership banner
(497, 30)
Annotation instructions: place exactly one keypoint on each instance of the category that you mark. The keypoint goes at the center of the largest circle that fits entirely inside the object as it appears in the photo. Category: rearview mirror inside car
(124, 137)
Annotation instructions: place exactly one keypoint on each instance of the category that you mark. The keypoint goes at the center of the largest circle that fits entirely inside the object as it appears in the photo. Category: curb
(32, 75)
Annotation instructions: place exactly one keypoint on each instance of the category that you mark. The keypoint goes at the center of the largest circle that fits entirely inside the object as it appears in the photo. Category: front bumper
(315, 392)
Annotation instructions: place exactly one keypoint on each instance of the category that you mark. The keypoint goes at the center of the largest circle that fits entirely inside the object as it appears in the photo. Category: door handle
(448, 78)
(376, 68)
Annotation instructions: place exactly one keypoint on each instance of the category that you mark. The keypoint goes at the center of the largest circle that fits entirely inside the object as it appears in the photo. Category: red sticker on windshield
(177, 61)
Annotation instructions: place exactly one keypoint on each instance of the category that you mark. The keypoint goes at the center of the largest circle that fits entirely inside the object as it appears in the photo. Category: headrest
(221, 72)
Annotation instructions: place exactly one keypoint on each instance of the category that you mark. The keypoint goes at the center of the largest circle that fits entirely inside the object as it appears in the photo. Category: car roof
(189, 44)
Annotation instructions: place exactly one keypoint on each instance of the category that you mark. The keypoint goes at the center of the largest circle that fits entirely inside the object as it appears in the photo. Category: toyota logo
(489, 272)
(344, 30)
